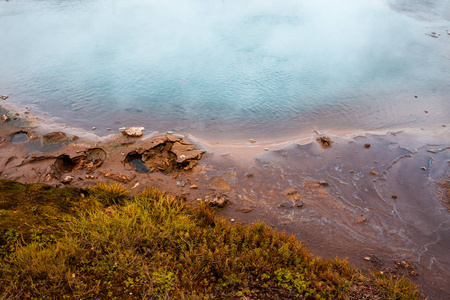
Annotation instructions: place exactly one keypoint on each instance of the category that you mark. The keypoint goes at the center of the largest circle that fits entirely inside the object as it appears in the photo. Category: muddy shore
(380, 200)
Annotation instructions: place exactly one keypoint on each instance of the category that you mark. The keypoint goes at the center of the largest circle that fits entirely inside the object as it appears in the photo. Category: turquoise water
(229, 68)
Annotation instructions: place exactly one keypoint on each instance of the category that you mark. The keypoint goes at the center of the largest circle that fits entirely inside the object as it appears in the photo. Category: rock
(67, 180)
(367, 146)
(252, 141)
(48, 177)
(181, 183)
(299, 204)
(117, 176)
(296, 197)
(64, 163)
(367, 258)
(186, 152)
(217, 199)
(407, 265)
(135, 185)
(245, 210)
(132, 131)
(165, 154)
(423, 168)
(360, 219)
(4, 97)
(249, 175)
(394, 197)
(266, 149)
(287, 204)
(193, 187)
(96, 155)
(5, 118)
(323, 183)
(89, 166)
(290, 192)
(90, 177)
(93, 128)
(172, 138)
(324, 141)
(426, 111)
(373, 172)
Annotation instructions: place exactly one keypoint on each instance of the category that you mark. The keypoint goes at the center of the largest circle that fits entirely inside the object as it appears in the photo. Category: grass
(153, 246)
(393, 287)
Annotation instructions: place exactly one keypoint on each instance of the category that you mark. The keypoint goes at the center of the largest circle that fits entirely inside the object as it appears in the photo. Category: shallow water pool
(222, 69)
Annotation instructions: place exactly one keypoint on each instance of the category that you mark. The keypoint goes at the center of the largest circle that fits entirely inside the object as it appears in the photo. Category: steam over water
(225, 68)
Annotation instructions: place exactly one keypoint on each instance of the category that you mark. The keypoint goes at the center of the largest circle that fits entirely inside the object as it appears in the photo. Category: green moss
(155, 246)
(32, 212)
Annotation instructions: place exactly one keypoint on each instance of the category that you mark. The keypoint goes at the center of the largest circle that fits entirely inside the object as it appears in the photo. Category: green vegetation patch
(154, 246)
(33, 212)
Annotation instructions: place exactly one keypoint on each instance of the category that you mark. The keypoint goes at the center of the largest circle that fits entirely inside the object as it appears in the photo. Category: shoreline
(326, 197)
(247, 147)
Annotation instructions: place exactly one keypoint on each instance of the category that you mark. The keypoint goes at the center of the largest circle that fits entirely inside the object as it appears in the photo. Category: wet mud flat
(381, 201)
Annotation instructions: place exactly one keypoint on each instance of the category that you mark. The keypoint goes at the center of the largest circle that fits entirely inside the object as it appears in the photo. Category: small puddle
(20, 137)
(140, 166)
(135, 159)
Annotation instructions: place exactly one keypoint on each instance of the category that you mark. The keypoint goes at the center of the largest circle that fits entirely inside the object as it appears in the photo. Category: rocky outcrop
(90, 159)
(165, 154)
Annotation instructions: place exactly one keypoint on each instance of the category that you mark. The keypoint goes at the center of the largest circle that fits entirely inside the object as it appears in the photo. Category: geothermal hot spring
(225, 71)
(229, 68)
